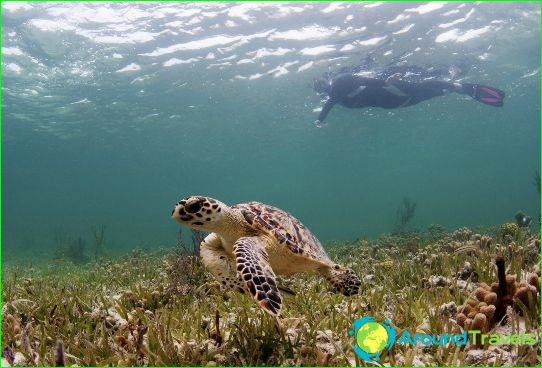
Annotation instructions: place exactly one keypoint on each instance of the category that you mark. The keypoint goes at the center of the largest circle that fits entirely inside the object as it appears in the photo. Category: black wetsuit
(355, 91)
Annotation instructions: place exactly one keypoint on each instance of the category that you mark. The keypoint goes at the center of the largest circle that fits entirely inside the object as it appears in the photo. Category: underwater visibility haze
(112, 112)
(428, 215)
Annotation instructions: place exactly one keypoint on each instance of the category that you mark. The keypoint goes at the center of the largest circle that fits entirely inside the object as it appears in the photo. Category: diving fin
(485, 94)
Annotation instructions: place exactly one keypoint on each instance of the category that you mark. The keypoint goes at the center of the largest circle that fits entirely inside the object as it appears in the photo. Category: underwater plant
(76, 251)
(185, 270)
(405, 213)
(99, 241)
(72, 250)
(192, 249)
(197, 238)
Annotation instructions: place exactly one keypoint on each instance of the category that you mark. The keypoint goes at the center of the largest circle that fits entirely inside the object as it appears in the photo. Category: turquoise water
(113, 112)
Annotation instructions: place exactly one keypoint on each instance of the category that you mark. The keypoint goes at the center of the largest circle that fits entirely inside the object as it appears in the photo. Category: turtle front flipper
(220, 263)
(254, 269)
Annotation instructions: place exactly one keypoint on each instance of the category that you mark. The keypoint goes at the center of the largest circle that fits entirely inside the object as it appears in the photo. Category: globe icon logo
(372, 338)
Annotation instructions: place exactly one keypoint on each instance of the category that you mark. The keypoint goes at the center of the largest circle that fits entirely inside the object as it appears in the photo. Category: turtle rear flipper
(254, 269)
(343, 279)
(286, 289)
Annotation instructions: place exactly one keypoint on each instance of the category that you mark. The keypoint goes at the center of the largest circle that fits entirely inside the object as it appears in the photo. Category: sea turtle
(251, 242)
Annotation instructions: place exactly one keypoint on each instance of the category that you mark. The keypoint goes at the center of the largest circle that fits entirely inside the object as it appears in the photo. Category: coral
(532, 250)
(438, 281)
(387, 264)
(483, 241)
(462, 234)
(478, 313)
(467, 272)
(528, 290)
(476, 244)
(447, 310)
(490, 304)
(509, 231)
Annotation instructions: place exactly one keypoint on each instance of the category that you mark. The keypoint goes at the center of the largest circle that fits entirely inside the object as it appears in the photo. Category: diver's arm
(325, 110)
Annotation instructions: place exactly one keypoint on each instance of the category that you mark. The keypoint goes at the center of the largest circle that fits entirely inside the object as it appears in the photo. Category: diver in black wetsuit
(355, 91)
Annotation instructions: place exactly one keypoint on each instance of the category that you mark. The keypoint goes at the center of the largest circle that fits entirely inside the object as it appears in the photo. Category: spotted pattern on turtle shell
(284, 227)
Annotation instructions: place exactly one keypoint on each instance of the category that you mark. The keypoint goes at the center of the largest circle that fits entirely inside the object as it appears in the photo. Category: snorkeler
(355, 91)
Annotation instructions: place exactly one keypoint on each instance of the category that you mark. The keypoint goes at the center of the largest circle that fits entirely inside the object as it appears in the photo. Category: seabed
(162, 308)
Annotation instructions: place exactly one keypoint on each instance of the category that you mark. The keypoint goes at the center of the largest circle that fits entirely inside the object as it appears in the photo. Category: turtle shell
(285, 228)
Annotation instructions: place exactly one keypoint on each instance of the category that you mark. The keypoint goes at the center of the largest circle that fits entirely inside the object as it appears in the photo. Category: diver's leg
(484, 94)
(413, 93)
(430, 89)
(418, 91)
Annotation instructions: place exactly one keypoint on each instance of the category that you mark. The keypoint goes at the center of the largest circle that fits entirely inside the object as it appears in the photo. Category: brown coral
(490, 298)
(533, 278)
(525, 293)
(489, 304)
(488, 311)
(480, 322)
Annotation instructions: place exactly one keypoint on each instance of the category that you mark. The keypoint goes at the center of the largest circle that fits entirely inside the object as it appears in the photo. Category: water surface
(112, 112)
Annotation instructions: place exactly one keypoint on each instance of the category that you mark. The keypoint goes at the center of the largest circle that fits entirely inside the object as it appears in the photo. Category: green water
(86, 143)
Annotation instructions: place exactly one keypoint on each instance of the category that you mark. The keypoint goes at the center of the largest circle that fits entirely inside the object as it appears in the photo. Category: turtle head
(343, 279)
(202, 213)
(322, 86)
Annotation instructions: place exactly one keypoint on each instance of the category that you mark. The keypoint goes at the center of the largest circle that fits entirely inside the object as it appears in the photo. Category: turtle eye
(194, 207)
